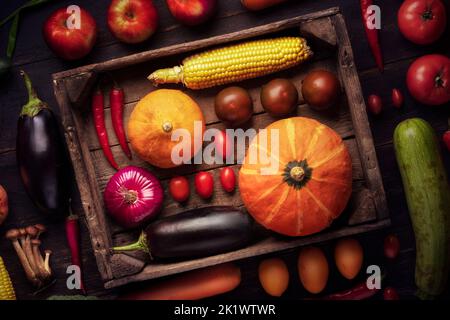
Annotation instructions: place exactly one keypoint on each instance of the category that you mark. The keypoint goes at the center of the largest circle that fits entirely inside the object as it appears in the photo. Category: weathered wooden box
(327, 35)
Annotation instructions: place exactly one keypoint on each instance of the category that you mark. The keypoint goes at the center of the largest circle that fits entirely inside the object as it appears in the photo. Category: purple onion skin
(133, 196)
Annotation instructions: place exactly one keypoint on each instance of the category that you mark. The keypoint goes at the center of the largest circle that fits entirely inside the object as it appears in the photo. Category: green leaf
(29, 4)
(12, 37)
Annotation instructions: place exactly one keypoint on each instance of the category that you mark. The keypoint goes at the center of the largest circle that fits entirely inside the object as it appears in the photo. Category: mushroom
(43, 273)
(14, 235)
(31, 233)
(47, 261)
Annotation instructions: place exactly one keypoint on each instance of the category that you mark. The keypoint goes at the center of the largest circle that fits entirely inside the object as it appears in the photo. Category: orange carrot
(192, 285)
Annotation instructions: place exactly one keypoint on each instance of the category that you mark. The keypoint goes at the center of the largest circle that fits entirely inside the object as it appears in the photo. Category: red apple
(192, 12)
(132, 21)
(65, 38)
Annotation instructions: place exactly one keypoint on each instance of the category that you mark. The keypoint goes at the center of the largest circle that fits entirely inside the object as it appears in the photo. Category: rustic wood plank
(347, 71)
(360, 210)
(156, 270)
(85, 175)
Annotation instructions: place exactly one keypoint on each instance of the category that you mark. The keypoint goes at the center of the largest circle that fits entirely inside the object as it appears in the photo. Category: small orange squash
(309, 187)
(156, 117)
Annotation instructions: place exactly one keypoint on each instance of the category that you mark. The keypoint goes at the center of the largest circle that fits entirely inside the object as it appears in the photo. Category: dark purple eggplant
(195, 233)
(41, 156)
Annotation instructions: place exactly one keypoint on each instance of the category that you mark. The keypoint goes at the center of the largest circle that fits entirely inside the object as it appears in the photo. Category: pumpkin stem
(297, 173)
(167, 126)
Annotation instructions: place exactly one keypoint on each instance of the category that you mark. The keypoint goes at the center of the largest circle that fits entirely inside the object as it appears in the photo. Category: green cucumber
(428, 196)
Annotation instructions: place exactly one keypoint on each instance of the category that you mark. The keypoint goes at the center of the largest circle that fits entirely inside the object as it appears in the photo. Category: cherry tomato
(428, 79)
(204, 184)
(374, 104)
(228, 179)
(397, 98)
(223, 145)
(179, 189)
(446, 138)
(391, 246)
(422, 21)
(390, 293)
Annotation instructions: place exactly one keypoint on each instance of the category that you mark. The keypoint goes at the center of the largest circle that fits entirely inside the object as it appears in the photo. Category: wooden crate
(326, 34)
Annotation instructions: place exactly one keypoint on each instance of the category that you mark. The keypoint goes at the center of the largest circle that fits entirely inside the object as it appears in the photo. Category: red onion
(133, 196)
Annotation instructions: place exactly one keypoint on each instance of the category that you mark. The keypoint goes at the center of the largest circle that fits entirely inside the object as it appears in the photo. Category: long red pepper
(73, 239)
(99, 123)
(372, 34)
(116, 98)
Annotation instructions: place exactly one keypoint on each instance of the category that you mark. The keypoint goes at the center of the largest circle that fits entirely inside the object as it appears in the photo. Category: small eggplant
(41, 156)
(195, 233)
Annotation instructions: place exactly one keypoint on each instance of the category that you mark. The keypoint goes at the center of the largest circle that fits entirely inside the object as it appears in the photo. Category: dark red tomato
(391, 246)
(223, 145)
(422, 21)
(279, 97)
(320, 89)
(446, 138)
(179, 189)
(228, 179)
(204, 184)
(428, 79)
(397, 98)
(390, 293)
(233, 106)
(374, 104)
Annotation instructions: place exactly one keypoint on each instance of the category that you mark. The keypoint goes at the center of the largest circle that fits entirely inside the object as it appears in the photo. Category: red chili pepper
(359, 292)
(99, 123)
(116, 101)
(372, 34)
(73, 239)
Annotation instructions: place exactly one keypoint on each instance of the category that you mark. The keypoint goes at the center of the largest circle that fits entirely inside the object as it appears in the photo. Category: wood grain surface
(33, 56)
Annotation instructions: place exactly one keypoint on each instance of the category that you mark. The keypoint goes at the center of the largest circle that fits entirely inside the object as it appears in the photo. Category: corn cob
(6, 287)
(235, 63)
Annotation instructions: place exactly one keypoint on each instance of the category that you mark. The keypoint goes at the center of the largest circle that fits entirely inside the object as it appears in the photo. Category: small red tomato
(390, 293)
(179, 189)
(397, 98)
(204, 184)
(391, 246)
(228, 179)
(446, 138)
(223, 145)
(374, 104)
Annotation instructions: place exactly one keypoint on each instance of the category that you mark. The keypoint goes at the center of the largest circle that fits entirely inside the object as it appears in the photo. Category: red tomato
(228, 179)
(390, 294)
(204, 184)
(428, 79)
(179, 189)
(374, 104)
(397, 98)
(223, 145)
(391, 246)
(446, 138)
(422, 21)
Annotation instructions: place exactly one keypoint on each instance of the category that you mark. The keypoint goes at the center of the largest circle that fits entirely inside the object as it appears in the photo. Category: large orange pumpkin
(310, 187)
(156, 117)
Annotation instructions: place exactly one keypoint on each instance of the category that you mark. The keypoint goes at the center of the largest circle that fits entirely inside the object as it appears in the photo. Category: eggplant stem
(34, 104)
(140, 245)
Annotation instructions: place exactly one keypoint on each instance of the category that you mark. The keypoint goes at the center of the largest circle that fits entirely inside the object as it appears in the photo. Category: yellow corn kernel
(235, 63)
(6, 287)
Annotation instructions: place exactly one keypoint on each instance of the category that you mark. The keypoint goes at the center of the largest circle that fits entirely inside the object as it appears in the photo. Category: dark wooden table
(33, 56)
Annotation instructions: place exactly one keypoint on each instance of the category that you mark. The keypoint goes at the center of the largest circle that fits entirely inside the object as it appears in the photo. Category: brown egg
(274, 276)
(279, 97)
(348, 255)
(233, 106)
(313, 269)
